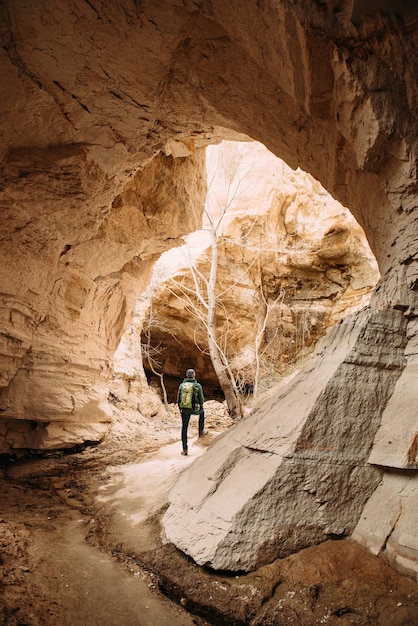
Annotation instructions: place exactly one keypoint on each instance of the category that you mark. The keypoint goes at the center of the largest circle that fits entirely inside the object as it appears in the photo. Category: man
(197, 409)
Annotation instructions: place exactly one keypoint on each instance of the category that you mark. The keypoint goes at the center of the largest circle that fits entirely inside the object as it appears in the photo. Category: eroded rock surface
(73, 270)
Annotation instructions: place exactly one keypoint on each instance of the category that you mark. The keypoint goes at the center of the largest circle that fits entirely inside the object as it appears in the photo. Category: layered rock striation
(73, 271)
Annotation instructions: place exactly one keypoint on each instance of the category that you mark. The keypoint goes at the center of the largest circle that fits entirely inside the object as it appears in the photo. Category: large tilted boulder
(299, 463)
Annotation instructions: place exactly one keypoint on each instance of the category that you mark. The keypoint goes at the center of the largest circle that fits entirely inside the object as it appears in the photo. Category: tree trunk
(218, 361)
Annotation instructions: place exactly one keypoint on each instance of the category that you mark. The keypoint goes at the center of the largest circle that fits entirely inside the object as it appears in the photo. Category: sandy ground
(80, 544)
(65, 519)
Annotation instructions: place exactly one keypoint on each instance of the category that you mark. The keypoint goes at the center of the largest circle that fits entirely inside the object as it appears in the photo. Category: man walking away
(190, 402)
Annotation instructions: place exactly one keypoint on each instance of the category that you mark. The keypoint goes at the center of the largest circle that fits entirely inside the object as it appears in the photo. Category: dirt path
(135, 492)
(80, 545)
(88, 587)
(58, 519)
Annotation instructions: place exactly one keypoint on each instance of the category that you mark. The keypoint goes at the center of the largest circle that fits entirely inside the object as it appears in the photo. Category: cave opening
(291, 262)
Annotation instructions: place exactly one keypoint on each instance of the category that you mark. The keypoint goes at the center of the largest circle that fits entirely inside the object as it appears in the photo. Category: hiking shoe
(202, 433)
(184, 453)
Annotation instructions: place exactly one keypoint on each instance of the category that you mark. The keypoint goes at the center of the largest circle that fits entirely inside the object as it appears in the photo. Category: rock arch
(90, 94)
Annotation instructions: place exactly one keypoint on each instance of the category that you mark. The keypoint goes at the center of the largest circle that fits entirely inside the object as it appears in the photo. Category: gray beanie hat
(190, 373)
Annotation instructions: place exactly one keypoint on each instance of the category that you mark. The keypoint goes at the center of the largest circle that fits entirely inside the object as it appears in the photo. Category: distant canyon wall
(292, 261)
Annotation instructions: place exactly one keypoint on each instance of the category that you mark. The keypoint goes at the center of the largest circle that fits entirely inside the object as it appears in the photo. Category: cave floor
(80, 543)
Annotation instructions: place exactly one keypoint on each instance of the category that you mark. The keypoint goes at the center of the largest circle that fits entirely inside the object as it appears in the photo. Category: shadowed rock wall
(91, 92)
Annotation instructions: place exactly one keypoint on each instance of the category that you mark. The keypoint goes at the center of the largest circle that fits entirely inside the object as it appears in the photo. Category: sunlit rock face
(292, 262)
(89, 94)
(72, 273)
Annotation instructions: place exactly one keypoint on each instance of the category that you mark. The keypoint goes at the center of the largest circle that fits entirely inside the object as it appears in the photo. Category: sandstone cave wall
(73, 271)
(91, 92)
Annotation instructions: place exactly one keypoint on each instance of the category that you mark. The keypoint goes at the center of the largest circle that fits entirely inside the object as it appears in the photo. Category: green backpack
(188, 396)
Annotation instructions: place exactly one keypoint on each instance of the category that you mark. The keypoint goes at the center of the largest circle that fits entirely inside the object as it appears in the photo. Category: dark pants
(185, 419)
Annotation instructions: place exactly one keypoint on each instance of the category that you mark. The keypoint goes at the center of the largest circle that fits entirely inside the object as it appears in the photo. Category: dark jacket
(200, 396)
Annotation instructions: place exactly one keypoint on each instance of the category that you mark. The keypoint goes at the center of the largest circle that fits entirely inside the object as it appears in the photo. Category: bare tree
(202, 303)
(200, 294)
(202, 298)
(259, 339)
(150, 354)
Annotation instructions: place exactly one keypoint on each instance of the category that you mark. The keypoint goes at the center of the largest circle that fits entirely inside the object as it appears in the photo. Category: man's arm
(200, 395)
